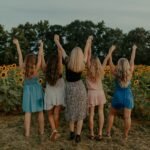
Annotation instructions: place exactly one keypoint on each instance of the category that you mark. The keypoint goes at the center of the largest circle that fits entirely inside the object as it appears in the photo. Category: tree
(71, 35)
(141, 37)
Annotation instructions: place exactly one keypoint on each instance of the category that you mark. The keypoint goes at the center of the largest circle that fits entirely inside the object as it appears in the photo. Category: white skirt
(54, 95)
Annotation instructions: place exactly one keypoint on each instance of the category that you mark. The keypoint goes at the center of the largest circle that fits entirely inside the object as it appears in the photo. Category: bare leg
(51, 119)
(72, 130)
(52, 124)
(101, 119)
(71, 126)
(57, 110)
(27, 121)
(91, 120)
(127, 121)
(41, 122)
(111, 120)
(79, 126)
(78, 132)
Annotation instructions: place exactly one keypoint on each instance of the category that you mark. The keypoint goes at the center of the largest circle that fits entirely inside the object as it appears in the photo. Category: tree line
(74, 34)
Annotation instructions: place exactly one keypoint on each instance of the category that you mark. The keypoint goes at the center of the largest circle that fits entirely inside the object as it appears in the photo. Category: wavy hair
(123, 72)
(95, 71)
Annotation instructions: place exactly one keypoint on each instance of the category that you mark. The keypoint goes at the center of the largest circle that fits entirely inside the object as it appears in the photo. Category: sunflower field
(11, 88)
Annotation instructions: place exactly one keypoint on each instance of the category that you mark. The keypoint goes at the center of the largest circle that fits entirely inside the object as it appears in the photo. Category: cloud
(125, 14)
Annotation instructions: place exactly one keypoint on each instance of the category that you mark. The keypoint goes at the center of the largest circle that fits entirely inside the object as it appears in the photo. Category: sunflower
(107, 69)
(22, 73)
(3, 74)
(136, 82)
(3, 67)
(21, 80)
(14, 66)
(8, 67)
(40, 81)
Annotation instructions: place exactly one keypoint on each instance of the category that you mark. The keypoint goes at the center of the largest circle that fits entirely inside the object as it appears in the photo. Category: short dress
(54, 95)
(123, 97)
(96, 95)
(33, 95)
(76, 97)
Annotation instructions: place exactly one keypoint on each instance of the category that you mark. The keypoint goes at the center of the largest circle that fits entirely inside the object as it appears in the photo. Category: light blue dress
(32, 95)
(123, 97)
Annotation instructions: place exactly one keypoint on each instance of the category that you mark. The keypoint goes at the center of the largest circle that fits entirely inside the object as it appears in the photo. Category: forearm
(106, 59)
(19, 55)
(87, 49)
(111, 49)
(134, 47)
(132, 57)
(39, 60)
(111, 64)
(60, 48)
(43, 62)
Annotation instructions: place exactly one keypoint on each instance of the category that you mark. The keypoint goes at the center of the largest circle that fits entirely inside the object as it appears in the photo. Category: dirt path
(11, 137)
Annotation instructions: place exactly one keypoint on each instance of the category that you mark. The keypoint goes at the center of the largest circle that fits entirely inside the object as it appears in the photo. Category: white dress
(54, 95)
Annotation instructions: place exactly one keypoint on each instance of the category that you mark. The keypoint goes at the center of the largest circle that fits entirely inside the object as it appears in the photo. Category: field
(11, 117)
(11, 131)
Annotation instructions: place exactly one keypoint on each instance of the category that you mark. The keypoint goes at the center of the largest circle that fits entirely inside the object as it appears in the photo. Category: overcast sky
(124, 14)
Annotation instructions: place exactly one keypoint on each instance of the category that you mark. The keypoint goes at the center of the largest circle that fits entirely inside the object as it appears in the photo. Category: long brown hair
(30, 64)
(52, 70)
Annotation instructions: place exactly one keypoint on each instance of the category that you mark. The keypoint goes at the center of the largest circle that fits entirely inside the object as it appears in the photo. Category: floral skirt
(76, 101)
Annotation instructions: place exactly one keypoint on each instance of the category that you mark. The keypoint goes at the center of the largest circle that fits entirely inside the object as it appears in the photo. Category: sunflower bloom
(3, 74)
(40, 81)
(14, 66)
(136, 82)
(4, 68)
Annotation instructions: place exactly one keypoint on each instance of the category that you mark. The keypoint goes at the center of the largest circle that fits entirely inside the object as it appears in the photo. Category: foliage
(11, 88)
(11, 81)
(74, 34)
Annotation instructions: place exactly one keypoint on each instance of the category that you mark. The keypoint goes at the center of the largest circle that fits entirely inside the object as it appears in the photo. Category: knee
(127, 117)
(112, 113)
(91, 115)
(50, 113)
(100, 112)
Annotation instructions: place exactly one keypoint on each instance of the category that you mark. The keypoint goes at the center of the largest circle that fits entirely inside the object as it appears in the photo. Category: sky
(123, 14)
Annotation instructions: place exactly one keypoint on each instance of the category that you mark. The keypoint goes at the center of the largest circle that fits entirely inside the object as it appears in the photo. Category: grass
(11, 133)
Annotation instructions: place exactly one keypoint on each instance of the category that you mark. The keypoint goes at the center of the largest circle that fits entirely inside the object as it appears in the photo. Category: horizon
(125, 15)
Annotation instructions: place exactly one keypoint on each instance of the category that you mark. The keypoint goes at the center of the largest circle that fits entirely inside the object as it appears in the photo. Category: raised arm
(39, 61)
(87, 49)
(112, 48)
(134, 47)
(59, 46)
(16, 42)
(60, 65)
(111, 64)
(43, 61)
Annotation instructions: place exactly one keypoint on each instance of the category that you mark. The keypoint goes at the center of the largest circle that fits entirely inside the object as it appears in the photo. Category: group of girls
(72, 93)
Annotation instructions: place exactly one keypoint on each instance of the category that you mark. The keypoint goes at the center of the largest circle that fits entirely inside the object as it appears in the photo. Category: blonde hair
(123, 72)
(95, 71)
(76, 60)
